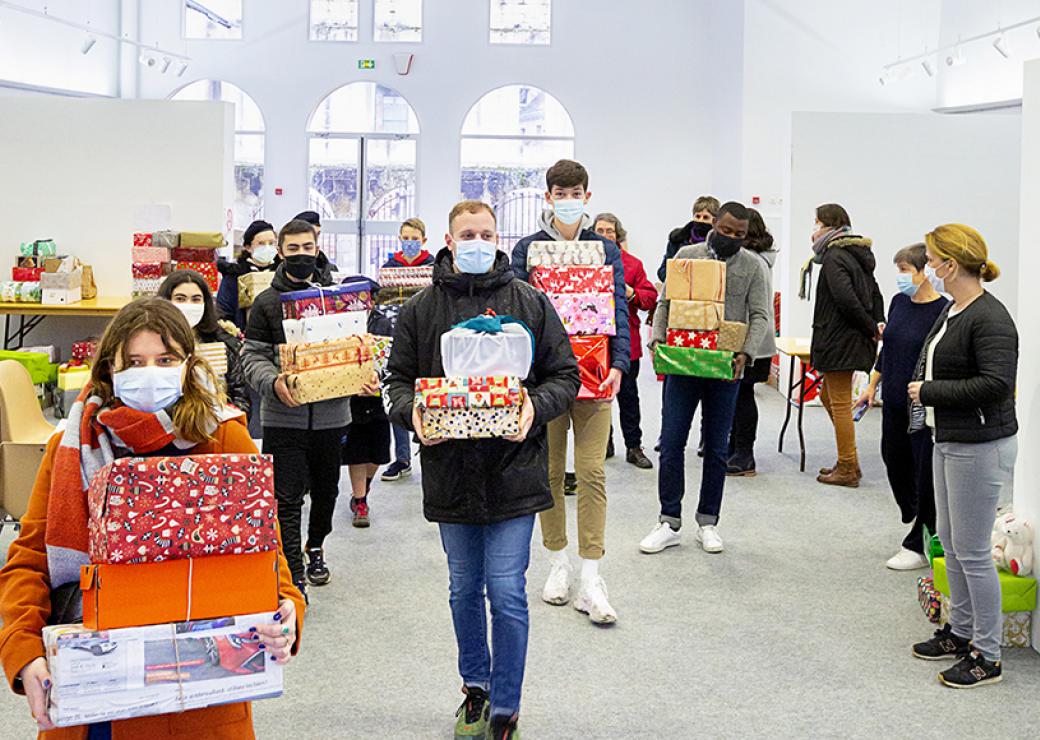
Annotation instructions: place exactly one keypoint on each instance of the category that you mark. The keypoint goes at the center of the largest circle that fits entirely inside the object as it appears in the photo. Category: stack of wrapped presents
(183, 557)
(155, 255)
(700, 342)
(41, 275)
(580, 286)
(398, 284)
(24, 285)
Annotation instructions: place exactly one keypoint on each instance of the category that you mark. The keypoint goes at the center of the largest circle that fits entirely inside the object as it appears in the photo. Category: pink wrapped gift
(585, 313)
(149, 254)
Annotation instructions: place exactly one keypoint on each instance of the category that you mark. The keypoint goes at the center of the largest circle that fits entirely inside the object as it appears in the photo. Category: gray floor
(797, 630)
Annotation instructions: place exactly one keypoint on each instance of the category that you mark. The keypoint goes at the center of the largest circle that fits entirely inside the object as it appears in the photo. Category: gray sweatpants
(969, 478)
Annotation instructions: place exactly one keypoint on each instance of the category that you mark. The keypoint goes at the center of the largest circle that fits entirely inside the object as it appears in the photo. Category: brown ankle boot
(843, 474)
(828, 471)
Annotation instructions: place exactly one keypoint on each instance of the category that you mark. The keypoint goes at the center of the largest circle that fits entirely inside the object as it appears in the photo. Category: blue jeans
(494, 557)
(718, 399)
(402, 444)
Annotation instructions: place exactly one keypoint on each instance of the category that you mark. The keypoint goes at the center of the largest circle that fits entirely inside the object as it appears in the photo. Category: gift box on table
(190, 254)
(62, 280)
(929, 598)
(215, 355)
(12, 291)
(166, 239)
(208, 270)
(58, 297)
(100, 676)
(732, 335)
(695, 280)
(697, 315)
(593, 356)
(475, 407)
(150, 269)
(585, 313)
(352, 350)
(698, 363)
(573, 279)
(303, 304)
(406, 277)
(1017, 602)
(141, 287)
(325, 328)
(251, 285)
(201, 239)
(397, 295)
(26, 274)
(149, 254)
(693, 338)
(325, 383)
(142, 240)
(38, 248)
(542, 254)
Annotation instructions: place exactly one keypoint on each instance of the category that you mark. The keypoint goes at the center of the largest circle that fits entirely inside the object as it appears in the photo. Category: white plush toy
(1013, 544)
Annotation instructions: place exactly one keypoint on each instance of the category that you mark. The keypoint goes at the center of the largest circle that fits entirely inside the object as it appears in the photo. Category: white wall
(42, 53)
(1027, 477)
(627, 75)
(899, 176)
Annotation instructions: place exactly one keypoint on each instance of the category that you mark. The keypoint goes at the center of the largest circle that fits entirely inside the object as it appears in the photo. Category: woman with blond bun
(964, 389)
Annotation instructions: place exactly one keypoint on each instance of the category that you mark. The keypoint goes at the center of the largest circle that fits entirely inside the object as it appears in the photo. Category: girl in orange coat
(148, 395)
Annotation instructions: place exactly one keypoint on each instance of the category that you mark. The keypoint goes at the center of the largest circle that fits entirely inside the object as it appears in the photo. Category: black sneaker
(570, 484)
(396, 471)
(741, 465)
(503, 728)
(637, 457)
(973, 670)
(302, 586)
(944, 644)
(318, 573)
(473, 714)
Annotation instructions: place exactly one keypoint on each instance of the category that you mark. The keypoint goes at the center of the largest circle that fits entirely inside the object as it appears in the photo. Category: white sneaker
(709, 538)
(660, 538)
(592, 600)
(557, 589)
(907, 560)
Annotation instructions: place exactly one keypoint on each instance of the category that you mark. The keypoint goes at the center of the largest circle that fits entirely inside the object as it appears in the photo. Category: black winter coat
(677, 239)
(972, 390)
(227, 294)
(849, 307)
(489, 480)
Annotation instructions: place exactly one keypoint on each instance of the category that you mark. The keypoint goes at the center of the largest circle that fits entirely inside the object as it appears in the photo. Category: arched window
(509, 139)
(249, 145)
(361, 154)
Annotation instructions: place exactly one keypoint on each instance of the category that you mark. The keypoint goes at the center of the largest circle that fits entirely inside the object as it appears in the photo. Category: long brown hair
(197, 411)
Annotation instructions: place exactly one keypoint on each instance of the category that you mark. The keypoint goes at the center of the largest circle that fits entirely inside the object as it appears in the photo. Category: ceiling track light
(1001, 45)
(88, 44)
(955, 58)
(181, 68)
(926, 65)
(165, 65)
(147, 60)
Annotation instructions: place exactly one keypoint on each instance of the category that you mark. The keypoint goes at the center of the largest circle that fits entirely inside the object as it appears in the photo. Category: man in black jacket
(484, 494)
(705, 211)
(303, 438)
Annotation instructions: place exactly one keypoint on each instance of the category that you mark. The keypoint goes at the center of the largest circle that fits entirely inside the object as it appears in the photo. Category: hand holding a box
(278, 638)
(36, 680)
(281, 389)
(417, 425)
(526, 419)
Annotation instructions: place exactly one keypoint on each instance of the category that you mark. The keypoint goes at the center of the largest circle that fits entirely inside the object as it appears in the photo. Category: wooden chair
(23, 440)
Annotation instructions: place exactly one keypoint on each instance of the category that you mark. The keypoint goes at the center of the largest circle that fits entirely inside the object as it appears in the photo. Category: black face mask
(701, 229)
(300, 266)
(725, 246)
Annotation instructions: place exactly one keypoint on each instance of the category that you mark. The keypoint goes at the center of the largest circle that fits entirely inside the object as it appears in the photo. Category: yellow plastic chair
(23, 439)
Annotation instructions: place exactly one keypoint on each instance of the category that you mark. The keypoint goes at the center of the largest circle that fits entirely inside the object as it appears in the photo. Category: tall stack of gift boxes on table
(700, 341)
(155, 255)
(183, 554)
(41, 275)
(580, 286)
(1013, 558)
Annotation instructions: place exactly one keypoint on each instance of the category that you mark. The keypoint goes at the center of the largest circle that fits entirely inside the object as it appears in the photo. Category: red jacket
(644, 298)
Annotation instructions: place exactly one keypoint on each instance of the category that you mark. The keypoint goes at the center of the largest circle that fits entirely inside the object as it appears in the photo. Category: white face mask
(192, 312)
(148, 389)
(264, 254)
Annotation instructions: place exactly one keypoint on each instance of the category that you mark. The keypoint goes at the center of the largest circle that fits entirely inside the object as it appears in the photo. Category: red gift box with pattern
(473, 392)
(26, 274)
(593, 356)
(573, 279)
(693, 339)
(187, 254)
(305, 304)
(148, 269)
(142, 240)
(151, 509)
(208, 270)
(84, 349)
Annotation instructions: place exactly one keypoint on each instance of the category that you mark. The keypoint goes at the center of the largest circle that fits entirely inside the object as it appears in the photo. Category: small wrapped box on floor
(1017, 602)
(476, 407)
(100, 676)
(697, 363)
(929, 598)
(543, 254)
(251, 285)
(695, 280)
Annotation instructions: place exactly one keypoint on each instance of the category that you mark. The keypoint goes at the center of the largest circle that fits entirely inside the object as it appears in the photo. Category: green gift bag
(932, 546)
(41, 369)
(1017, 593)
(698, 363)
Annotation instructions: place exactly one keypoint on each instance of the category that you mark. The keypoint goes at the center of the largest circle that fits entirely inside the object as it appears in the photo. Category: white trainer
(709, 538)
(660, 538)
(557, 589)
(907, 560)
(592, 600)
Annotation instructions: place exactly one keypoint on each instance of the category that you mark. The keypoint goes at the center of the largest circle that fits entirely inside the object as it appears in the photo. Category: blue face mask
(937, 282)
(475, 256)
(905, 284)
(148, 389)
(410, 248)
(569, 211)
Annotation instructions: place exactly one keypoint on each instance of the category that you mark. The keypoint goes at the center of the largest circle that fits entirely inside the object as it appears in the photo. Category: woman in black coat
(847, 323)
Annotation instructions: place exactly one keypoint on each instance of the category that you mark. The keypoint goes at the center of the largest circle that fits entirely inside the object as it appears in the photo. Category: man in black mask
(303, 438)
(747, 300)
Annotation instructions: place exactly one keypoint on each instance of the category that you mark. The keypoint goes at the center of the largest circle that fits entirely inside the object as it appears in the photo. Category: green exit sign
(366, 63)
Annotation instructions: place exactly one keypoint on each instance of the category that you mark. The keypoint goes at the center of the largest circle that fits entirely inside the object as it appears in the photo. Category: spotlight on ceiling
(955, 58)
(181, 68)
(88, 44)
(147, 60)
(1001, 45)
(885, 77)
(926, 65)
(165, 65)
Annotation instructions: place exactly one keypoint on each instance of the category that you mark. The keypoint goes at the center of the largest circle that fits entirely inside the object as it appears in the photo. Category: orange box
(137, 595)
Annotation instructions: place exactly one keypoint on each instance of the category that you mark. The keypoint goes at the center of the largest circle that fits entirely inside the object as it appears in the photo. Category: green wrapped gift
(41, 369)
(40, 248)
(699, 363)
(1017, 593)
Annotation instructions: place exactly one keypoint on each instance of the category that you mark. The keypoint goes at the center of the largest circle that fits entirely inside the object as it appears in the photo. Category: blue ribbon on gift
(489, 323)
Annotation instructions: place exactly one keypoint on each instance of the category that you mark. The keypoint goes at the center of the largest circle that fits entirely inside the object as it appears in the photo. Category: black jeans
(908, 462)
(628, 407)
(745, 417)
(303, 457)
